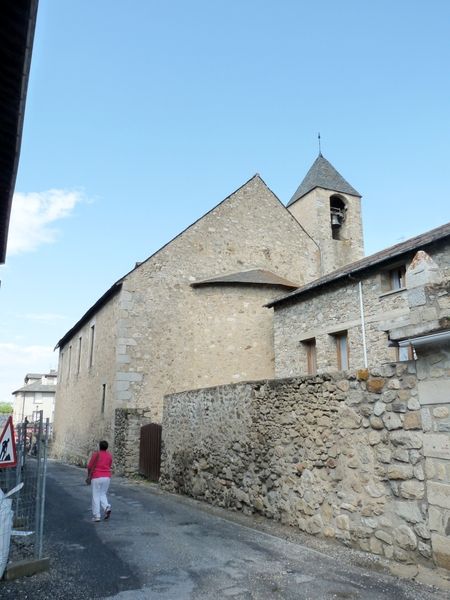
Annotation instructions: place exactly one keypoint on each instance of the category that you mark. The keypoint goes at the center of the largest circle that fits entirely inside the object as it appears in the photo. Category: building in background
(37, 394)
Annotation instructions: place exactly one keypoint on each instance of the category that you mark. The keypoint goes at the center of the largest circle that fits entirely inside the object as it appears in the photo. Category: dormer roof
(322, 174)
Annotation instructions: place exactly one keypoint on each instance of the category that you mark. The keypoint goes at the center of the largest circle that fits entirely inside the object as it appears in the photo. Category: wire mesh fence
(21, 538)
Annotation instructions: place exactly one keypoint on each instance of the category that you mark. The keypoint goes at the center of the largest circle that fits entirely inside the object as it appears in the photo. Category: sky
(141, 116)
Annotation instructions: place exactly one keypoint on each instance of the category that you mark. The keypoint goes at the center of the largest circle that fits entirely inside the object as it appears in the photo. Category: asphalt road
(163, 547)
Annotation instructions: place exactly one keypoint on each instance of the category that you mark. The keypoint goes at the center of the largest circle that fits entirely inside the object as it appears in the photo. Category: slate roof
(37, 386)
(253, 277)
(374, 260)
(322, 174)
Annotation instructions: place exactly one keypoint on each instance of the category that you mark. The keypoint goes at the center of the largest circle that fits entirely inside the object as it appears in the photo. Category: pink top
(103, 464)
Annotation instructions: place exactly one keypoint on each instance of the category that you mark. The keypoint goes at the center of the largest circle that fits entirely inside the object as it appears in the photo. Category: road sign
(8, 456)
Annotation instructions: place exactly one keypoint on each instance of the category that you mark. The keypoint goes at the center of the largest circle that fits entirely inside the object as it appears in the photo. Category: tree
(5, 408)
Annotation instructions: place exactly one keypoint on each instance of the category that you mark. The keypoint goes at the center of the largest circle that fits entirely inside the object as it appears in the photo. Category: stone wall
(173, 336)
(159, 334)
(434, 393)
(336, 455)
(85, 394)
(313, 212)
(128, 423)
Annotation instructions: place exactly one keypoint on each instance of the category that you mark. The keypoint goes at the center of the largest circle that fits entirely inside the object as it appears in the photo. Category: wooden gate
(150, 451)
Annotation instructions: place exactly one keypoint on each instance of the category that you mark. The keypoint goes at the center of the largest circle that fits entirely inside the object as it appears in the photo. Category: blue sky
(141, 116)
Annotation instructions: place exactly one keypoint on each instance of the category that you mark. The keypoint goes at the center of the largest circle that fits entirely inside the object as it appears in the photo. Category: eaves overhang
(113, 290)
(17, 26)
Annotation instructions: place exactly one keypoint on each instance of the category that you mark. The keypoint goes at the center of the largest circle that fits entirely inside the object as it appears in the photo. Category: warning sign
(8, 457)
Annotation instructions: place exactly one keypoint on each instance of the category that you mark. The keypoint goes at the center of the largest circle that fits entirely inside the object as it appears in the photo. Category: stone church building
(193, 314)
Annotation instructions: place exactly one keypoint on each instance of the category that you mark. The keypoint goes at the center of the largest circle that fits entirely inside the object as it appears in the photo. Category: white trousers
(100, 486)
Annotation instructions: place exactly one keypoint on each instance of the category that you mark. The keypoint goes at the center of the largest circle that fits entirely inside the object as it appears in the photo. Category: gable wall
(179, 337)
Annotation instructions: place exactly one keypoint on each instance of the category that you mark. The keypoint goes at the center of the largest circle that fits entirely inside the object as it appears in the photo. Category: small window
(342, 350)
(69, 361)
(397, 277)
(311, 355)
(393, 279)
(103, 397)
(61, 367)
(91, 346)
(79, 355)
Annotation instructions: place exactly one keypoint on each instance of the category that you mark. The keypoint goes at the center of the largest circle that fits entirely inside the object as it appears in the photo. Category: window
(79, 355)
(91, 346)
(393, 279)
(397, 277)
(61, 367)
(69, 361)
(311, 356)
(103, 397)
(342, 350)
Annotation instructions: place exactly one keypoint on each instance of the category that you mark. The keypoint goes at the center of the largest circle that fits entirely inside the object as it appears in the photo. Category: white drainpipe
(363, 325)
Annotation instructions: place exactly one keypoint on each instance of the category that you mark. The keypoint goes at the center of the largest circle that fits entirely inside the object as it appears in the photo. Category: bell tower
(329, 209)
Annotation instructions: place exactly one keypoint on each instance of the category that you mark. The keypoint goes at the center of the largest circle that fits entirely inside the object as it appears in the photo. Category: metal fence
(31, 440)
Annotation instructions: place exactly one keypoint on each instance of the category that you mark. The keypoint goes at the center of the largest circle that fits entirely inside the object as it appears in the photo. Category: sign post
(8, 455)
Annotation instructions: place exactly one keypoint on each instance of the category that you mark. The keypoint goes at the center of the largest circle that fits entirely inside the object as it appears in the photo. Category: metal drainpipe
(363, 325)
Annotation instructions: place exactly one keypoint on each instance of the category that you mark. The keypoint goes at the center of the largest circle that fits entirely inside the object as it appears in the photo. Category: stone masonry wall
(128, 423)
(84, 389)
(313, 212)
(172, 336)
(336, 455)
(433, 369)
(160, 335)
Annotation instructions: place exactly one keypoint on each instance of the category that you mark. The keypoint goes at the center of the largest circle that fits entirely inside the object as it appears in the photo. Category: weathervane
(320, 149)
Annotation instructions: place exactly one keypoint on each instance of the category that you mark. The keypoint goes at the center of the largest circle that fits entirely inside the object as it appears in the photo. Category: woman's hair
(103, 445)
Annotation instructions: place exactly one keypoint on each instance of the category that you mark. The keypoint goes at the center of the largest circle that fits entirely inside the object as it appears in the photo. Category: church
(194, 314)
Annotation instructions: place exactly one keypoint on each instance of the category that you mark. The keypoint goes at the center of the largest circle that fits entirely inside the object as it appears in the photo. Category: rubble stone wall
(128, 423)
(434, 394)
(336, 455)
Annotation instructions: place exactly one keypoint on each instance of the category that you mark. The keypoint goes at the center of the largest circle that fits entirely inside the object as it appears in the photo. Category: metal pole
(38, 488)
(363, 325)
(44, 475)
(20, 463)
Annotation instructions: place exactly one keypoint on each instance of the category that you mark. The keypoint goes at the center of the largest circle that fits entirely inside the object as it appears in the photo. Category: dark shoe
(107, 513)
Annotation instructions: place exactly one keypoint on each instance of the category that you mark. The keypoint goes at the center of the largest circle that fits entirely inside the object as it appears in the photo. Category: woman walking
(99, 470)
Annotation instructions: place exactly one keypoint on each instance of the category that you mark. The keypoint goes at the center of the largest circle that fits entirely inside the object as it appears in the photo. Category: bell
(335, 220)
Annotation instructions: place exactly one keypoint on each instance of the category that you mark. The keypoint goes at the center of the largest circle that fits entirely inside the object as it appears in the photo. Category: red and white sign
(8, 456)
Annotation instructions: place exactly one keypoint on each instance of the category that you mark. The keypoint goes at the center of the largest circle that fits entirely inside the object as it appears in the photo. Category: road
(159, 546)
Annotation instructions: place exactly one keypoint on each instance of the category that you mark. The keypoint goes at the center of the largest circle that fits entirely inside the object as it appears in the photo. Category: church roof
(252, 277)
(322, 174)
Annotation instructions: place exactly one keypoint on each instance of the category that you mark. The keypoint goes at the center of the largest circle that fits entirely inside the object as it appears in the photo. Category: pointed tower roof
(323, 174)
